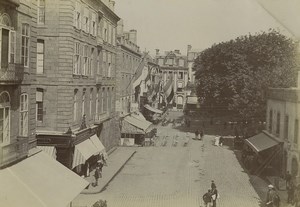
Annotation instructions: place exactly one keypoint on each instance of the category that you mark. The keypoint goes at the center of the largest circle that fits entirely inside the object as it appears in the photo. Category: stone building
(19, 156)
(192, 54)
(76, 79)
(283, 122)
(173, 65)
(128, 61)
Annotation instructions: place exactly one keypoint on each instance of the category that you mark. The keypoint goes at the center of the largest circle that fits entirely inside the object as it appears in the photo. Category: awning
(50, 150)
(83, 151)
(142, 124)
(128, 128)
(39, 181)
(261, 142)
(153, 109)
(138, 115)
(96, 141)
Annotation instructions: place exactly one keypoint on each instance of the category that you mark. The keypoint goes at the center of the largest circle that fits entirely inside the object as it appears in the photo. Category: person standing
(214, 196)
(207, 198)
(197, 134)
(273, 199)
(97, 175)
(213, 185)
(201, 134)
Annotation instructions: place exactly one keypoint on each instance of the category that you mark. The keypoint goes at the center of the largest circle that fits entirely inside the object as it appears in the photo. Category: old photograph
(149, 103)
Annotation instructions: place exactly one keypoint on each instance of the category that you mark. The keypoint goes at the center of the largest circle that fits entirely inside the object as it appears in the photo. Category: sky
(173, 24)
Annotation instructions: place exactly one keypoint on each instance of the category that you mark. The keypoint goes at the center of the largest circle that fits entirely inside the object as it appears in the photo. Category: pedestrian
(100, 165)
(213, 185)
(97, 175)
(221, 141)
(214, 196)
(207, 198)
(273, 199)
(197, 134)
(201, 134)
(288, 178)
(290, 192)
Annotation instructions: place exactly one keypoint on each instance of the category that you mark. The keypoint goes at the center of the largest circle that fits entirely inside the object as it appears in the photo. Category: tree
(235, 75)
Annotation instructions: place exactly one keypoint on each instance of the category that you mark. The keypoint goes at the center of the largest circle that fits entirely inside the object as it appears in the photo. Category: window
(91, 70)
(296, 131)
(85, 60)
(25, 45)
(75, 105)
(108, 100)
(23, 115)
(104, 64)
(83, 103)
(270, 121)
(112, 100)
(170, 61)
(105, 30)
(97, 102)
(86, 21)
(93, 29)
(286, 127)
(77, 15)
(91, 102)
(41, 11)
(160, 61)
(103, 102)
(181, 62)
(39, 104)
(40, 57)
(4, 118)
(76, 69)
(180, 75)
(114, 36)
(278, 124)
(109, 65)
(99, 62)
(12, 44)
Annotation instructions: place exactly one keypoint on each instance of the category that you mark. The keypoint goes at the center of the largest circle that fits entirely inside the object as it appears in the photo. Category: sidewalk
(115, 163)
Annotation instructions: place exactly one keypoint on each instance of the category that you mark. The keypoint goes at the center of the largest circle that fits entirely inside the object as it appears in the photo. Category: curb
(115, 174)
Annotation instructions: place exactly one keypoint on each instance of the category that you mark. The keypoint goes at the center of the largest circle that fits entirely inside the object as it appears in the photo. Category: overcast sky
(173, 24)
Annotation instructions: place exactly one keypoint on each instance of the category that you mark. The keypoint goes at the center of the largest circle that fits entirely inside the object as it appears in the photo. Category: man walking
(207, 198)
(97, 175)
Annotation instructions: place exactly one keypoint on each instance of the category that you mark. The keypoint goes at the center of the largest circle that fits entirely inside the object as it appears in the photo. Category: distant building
(174, 69)
(192, 54)
(129, 59)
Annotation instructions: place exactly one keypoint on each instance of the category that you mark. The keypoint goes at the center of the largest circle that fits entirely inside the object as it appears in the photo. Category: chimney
(157, 52)
(133, 35)
(189, 47)
(120, 27)
(112, 5)
(177, 51)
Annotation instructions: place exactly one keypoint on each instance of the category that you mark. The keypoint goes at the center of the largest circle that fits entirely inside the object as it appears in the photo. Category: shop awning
(153, 109)
(141, 124)
(83, 151)
(96, 141)
(261, 142)
(128, 128)
(138, 115)
(39, 181)
(50, 150)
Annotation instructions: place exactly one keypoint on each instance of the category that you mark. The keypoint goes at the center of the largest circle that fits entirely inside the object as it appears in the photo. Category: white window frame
(41, 91)
(104, 63)
(5, 119)
(41, 12)
(99, 61)
(75, 105)
(12, 46)
(77, 15)
(23, 126)
(97, 102)
(91, 69)
(86, 20)
(91, 101)
(85, 67)
(83, 102)
(25, 45)
(93, 24)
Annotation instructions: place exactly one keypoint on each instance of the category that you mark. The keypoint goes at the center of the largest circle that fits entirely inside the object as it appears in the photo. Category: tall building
(22, 164)
(174, 69)
(76, 79)
(129, 59)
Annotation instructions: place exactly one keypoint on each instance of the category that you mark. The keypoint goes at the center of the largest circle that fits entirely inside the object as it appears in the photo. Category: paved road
(171, 175)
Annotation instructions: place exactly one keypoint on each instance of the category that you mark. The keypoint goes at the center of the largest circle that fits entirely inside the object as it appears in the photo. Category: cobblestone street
(168, 175)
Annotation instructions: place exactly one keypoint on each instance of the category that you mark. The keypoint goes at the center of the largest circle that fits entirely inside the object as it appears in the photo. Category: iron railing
(12, 74)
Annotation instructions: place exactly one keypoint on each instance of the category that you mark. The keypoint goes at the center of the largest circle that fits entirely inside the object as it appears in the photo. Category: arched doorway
(4, 118)
(294, 168)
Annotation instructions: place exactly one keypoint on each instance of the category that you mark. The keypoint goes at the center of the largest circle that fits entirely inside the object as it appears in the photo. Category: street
(178, 176)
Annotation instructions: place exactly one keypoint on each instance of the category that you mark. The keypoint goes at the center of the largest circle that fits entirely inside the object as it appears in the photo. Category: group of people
(98, 171)
(211, 196)
(293, 191)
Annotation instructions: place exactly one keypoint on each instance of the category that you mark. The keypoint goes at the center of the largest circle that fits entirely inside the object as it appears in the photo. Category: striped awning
(153, 109)
(50, 150)
(83, 151)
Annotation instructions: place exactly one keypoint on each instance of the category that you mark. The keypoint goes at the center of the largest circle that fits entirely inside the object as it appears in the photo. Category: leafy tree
(235, 75)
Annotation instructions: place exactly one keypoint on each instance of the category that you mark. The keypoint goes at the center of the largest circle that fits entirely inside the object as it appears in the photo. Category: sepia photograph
(149, 103)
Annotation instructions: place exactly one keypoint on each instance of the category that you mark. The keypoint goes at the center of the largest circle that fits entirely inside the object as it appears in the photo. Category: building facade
(173, 65)
(128, 60)
(76, 77)
(192, 54)
(283, 122)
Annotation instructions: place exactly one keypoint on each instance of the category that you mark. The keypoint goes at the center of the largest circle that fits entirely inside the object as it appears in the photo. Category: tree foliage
(235, 75)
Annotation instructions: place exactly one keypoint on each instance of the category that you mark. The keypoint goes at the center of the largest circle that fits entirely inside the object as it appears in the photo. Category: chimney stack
(133, 36)
(177, 51)
(157, 52)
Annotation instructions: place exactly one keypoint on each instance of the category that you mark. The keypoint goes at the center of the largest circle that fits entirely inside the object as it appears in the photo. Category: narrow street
(178, 176)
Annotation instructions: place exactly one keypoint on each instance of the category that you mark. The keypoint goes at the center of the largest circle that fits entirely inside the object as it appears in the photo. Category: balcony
(14, 151)
(12, 74)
